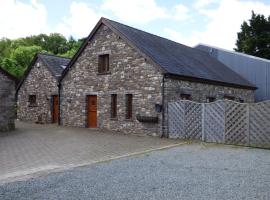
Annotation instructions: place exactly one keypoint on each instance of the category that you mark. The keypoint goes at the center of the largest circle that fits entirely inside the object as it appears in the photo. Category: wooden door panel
(92, 111)
(55, 110)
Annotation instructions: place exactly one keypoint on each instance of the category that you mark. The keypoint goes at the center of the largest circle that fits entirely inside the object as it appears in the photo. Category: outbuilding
(7, 101)
(122, 79)
(37, 93)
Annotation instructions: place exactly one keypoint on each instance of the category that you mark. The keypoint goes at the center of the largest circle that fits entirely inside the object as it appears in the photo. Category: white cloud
(181, 12)
(19, 19)
(80, 22)
(139, 11)
(223, 23)
(200, 4)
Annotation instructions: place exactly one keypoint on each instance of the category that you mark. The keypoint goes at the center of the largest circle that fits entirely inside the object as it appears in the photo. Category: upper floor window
(185, 96)
(32, 99)
(103, 63)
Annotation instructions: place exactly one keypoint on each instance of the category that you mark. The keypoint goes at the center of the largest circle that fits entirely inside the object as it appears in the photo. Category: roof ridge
(148, 33)
(234, 52)
(52, 55)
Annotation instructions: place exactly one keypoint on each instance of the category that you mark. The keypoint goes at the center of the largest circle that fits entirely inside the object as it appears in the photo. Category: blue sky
(214, 22)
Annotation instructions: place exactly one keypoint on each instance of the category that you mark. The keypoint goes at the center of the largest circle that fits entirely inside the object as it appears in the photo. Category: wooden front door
(55, 109)
(92, 111)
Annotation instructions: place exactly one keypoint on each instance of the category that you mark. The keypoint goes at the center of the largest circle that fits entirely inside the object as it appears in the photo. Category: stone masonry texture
(43, 84)
(130, 73)
(7, 103)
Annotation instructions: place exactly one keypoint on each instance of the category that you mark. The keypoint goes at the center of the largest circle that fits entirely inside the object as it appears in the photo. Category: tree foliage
(254, 37)
(16, 55)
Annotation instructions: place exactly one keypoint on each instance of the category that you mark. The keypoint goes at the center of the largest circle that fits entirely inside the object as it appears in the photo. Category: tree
(254, 37)
(16, 55)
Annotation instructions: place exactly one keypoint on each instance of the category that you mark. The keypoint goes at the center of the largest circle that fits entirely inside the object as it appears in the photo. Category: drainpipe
(163, 113)
(59, 102)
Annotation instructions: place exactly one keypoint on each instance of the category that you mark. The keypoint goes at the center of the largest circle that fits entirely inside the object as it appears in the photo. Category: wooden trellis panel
(222, 121)
(236, 123)
(259, 124)
(185, 120)
(193, 120)
(176, 120)
(214, 122)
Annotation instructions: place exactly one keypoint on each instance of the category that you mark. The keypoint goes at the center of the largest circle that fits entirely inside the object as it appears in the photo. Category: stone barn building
(37, 93)
(122, 79)
(7, 101)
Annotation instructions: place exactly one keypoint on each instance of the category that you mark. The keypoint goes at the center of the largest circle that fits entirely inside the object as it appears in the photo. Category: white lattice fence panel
(260, 124)
(236, 123)
(193, 120)
(214, 122)
(176, 120)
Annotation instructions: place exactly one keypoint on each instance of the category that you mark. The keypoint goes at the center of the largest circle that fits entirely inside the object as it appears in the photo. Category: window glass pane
(113, 106)
(185, 96)
(128, 106)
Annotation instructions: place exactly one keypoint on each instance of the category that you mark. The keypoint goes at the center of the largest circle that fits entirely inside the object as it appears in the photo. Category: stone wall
(200, 91)
(43, 84)
(7, 103)
(129, 73)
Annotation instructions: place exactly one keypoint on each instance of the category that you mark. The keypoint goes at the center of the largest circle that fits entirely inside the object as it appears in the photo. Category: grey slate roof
(174, 58)
(178, 59)
(55, 64)
(7, 74)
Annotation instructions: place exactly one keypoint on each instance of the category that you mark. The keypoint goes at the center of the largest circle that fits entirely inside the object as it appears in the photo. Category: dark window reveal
(185, 96)
(128, 106)
(113, 105)
(32, 99)
(103, 63)
(229, 97)
(210, 99)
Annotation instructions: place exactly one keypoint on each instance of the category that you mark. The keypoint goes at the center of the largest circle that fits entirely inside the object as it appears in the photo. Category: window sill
(129, 120)
(32, 106)
(104, 73)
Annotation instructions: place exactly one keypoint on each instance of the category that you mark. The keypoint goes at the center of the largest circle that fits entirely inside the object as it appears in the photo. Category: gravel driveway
(194, 171)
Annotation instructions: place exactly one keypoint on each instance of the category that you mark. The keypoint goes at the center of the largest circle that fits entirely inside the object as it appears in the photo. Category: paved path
(192, 171)
(36, 148)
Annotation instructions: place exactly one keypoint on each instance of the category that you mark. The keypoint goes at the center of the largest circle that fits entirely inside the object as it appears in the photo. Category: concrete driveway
(192, 171)
(36, 149)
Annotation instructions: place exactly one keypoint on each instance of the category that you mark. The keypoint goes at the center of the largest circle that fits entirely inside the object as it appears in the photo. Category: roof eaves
(213, 82)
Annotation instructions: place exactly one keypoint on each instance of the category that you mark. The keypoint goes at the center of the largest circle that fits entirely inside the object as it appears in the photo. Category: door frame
(87, 109)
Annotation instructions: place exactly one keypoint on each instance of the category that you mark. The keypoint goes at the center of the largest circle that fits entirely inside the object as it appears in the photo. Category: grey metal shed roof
(178, 59)
(254, 69)
(55, 64)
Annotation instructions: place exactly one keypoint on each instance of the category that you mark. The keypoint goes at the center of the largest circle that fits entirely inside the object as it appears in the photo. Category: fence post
(248, 124)
(203, 116)
(225, 121)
